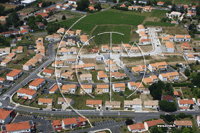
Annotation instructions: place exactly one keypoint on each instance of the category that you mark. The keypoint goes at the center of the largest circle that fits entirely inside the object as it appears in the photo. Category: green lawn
(158, 24)
(185, 1)
(159, 13)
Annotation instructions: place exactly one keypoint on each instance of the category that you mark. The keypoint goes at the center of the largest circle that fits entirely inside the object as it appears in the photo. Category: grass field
(116, 38)
(186, 1)
(158, 24)
(158, 13)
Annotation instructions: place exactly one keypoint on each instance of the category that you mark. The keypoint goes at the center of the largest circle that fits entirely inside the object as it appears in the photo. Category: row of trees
(83, 5)
(4, 12)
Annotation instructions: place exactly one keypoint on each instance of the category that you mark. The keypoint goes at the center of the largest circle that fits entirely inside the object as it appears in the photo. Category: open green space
(158, 13)
(185, 1)
(158, 23)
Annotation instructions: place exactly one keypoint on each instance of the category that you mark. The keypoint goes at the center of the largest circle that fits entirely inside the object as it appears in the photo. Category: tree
(98, 6)
(52, 27)
(63, 17)
(198, 10)
(129, 122)
(186, 130)
(2, 8)
(38, 18)
(149, 3)
(167, 106)
(45, 22)
(191, 106)
(155, 2)
(156, 129)
(173, 7)
(156, 90)
(51, 13)
(197, 62)
(187, 72)
(182, 10)
(83, 5)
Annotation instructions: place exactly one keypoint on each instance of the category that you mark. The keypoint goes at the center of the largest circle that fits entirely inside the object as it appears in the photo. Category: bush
(180, 84)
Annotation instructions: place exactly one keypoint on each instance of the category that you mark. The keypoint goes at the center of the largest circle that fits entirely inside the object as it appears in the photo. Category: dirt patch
(9, 6)
(89, 60)
(175, 30)
(154, 19)
(146, 48)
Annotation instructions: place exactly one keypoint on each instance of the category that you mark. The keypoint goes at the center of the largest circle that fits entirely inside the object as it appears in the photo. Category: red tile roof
(13, 73)
(4, 113)
(154, 122)
(27, 91)
(69, 121)
(17, 126)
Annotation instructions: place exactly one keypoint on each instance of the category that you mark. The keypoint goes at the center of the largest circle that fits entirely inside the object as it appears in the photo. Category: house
(189, 56)
(70, 42)
(91, 8)
(147, 8)
(179, 38)
(2, 80)
(159, 3)
(104, 48)
(156, 66)
(112, 104)
(94, 103)
(168, 98)
(102, 88)
(48, 72)
(185, 123)
(33, 62)
(87, 76)
(53, 37)
(173, 14)
(57, 125)
(57, 63)
(58, 73)
(109, 62)
(138, 70)
(153, 104)
(69, 123)
(65, 51)
(155, 78)
(5, 62)
(78, 32)
(169, 47)
(20, 127)
(3, 18)
(86, 89)
(45, 101)
(187, 38)
(173, 76)
(138, 127)
(185, 103)
(11, 56)
(6, 116)
(13, 75)
(185, 47)
(67, 5)
(116, 49)
(54, 89)
(118, 75)
(112, 68)
(163, 77)
(194, 7)
(94, 50)
(190, 14)
(71, 60)
(26, 93)
(88, 66)
(69, 88)
(135, 85)
(152, 123)
(84, 40)
(123, 5)
(148, 81)
(82, 121)
(143, 42)
(5, 50)
(66, 101)
(117, 87)
(73, 1)
(18, 50)
(177, 94)
(37, 83)
(69, 32)
(59, 6)
(135, 104)
(61, 31)
(102, 76)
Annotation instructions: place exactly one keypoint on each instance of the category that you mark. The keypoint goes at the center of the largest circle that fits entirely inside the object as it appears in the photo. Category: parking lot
(42, 125)
(103, 123)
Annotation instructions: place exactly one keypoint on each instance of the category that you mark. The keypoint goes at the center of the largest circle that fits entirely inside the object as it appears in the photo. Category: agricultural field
(158, 13)
(186, 1)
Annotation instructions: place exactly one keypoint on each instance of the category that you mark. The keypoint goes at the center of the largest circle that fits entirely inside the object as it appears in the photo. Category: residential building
(57, 125)
(45, 101)
(86, 76)
(102, 76)
(160, 3)
(26, 93)
(153, 104)
(27, 66)
(82, 121)
(135, 104)
(69, 88)
(137, 70)
(70, 42)
(94, 103)
(138, 127)
(118, 87)
(118, 75)
(67, 75)
(66, 101)
(13, 75)
(5, 50)
(65, 51)
(6, 116)
(48, 72)
(2, 80)
(179, 38)
(20, 127)
(112, 104)
(135, 85)
(84, 39)
(102, 88)
(189, 57)
(57, 63)
(86, 89)
(11, 56)
(88, 66)
(170, 47)
(152, 123)
(5, 62)
(148, 81)
(157, 66)
(104, 48)
(69, 123)
(185, 123)
(78, 32)
(185, 47)
(185, 103)
(37, 84)
(54, 89)
(116, 49)
(163, 77)
(168, 98)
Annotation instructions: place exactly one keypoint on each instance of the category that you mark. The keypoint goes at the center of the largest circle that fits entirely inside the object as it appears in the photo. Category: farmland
(158, 13)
